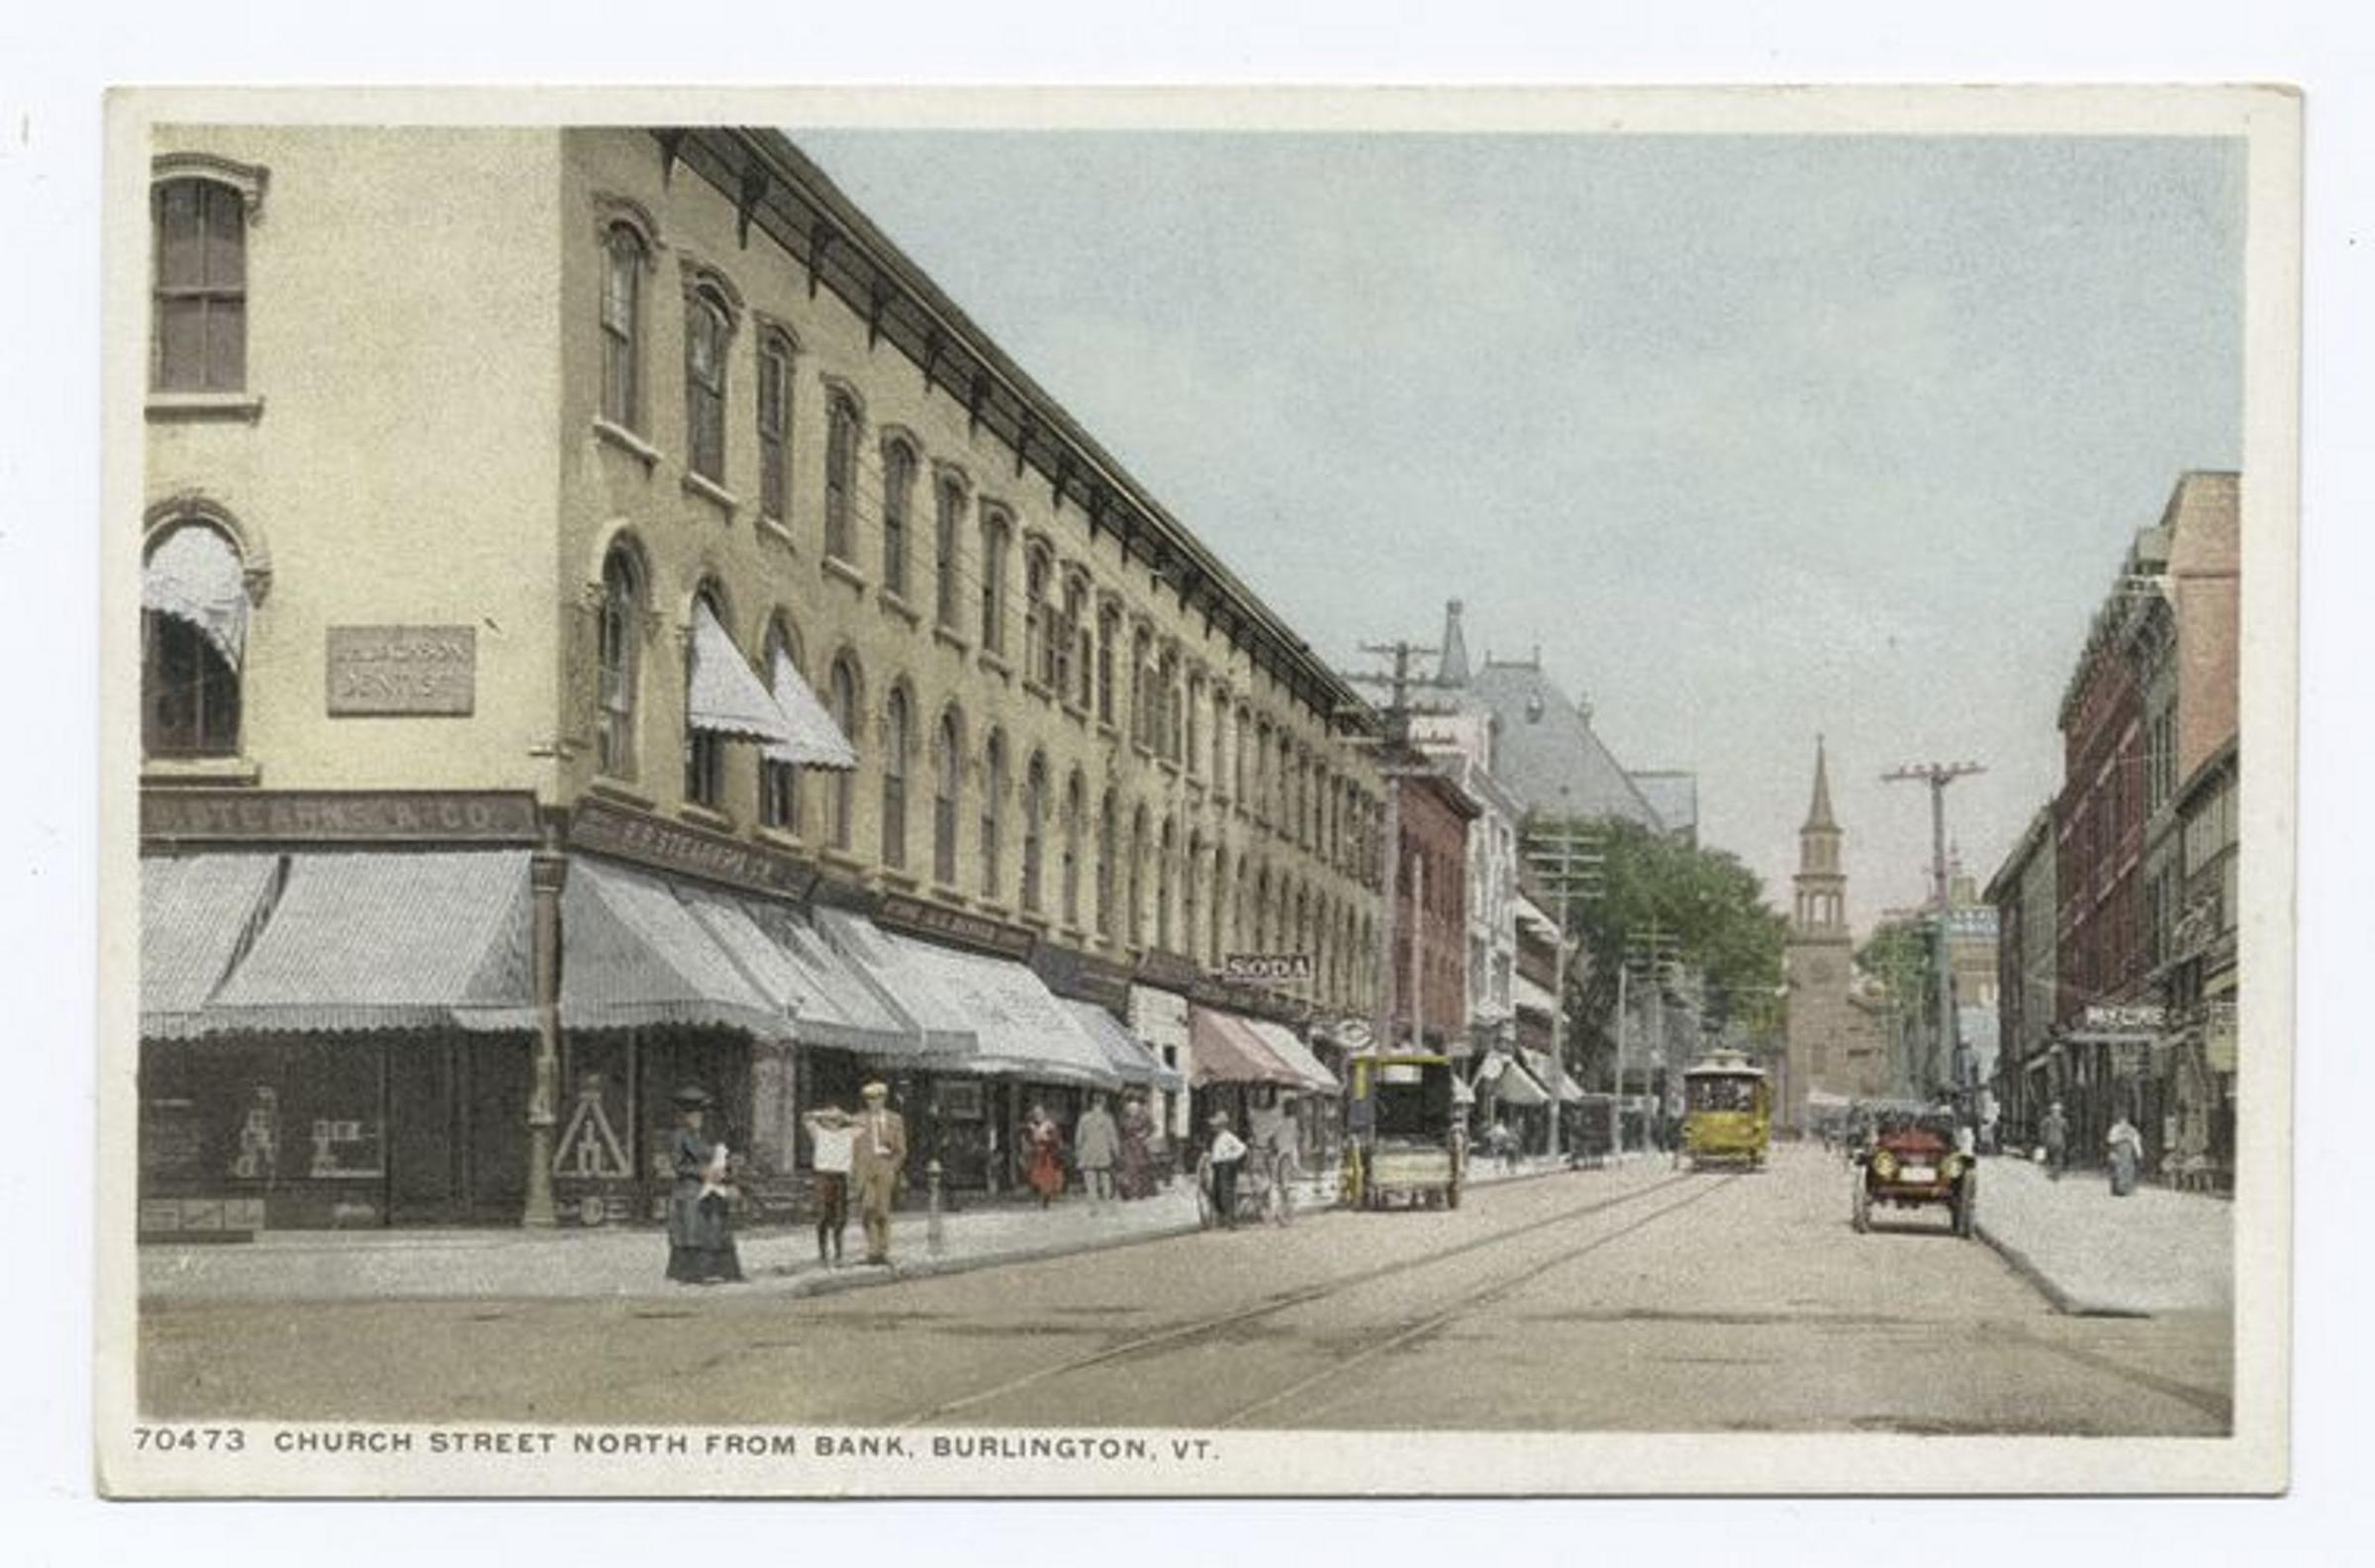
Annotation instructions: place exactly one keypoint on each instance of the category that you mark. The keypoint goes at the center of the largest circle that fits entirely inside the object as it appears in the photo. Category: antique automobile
(1911, 1162)
(1403, 1125)
(1727, 1112)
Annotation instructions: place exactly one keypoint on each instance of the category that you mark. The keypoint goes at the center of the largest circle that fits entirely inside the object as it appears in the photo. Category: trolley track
(1201, 1329)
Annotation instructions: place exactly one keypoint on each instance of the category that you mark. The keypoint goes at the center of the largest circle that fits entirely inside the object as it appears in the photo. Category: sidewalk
(325, 1266)
(2154, 1251)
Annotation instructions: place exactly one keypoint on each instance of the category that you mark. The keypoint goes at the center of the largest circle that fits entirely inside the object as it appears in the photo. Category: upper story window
(201, 302)
(1109, 829)
(704, 748)
(898, 500)
(779, 779)
(948, 515)
(1195, 756)
(995, 538)
(708, 329)
(1076, 828)
(1108, 633)
(993, 815)
(1040, 638)
(775, 426)
(1142, 696)
(1170, 740)
(840, 474)
(624, 257)
(899, 738)
(619, 660)
(948, 773)
(193, 637)
(1079, 691)
(844, 692)
(1034, 829)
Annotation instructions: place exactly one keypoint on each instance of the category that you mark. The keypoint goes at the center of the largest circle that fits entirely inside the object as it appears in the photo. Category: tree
(1713, 905)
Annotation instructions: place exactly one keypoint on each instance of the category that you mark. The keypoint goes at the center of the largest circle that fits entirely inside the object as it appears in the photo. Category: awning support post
(548, 871)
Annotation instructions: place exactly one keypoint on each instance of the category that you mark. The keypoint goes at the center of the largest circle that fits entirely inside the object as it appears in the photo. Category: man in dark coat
(701, 1237)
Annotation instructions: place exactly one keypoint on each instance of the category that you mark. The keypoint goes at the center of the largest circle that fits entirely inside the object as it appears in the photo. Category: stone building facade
(645, 508)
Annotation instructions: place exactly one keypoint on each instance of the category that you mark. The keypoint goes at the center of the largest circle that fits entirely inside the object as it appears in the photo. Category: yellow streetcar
(1728, 1112)
(1402, 1118)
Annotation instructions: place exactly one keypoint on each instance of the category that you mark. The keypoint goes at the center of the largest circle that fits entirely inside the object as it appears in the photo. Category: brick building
(1430, 926)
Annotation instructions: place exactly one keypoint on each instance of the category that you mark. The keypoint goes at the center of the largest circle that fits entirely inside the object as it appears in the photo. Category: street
(1638, 1299)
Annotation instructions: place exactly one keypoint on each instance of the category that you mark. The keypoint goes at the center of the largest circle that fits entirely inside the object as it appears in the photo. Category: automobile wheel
(1863, 1207)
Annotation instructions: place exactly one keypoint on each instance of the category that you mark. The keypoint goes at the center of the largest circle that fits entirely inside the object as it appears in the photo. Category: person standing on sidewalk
(878, 1158)
(1043, 1148)
(1097, 1148)
(700, 1236)
(1225, 1155)
(2125, 1146)
(831, 1133)
(2055, 1132)
(1137, 1150)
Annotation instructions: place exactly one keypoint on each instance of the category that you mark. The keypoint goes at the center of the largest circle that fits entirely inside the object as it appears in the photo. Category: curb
(2063, 1301)
(863, 1277)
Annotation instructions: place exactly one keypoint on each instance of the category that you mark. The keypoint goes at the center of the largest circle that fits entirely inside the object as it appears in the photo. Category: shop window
(201, 287)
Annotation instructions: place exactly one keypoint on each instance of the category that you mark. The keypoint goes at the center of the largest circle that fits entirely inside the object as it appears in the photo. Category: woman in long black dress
(700, 1236)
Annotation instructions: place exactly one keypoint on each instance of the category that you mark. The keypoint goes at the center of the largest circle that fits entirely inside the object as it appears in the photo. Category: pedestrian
(2125, 1146)
(1137, 1150)
(1097, 1148)
(2055, 1134)
(878, 1163)
(1043, 1148)
(1226, 1153)
(831, 1131)
(701, 1237)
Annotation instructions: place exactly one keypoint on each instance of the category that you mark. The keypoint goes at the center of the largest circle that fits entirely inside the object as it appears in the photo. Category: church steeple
(1452, 673)
(1821, 905)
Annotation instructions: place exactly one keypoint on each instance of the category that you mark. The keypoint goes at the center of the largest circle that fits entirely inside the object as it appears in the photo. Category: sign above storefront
(400, 669)
(337, 816)
(666, 846)
(902, 913)
(2138, 1017)
(1069, 971)
(1167, 970)
(1265, 968)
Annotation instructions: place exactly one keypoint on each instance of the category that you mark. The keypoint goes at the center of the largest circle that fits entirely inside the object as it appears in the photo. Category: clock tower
(1818, 960)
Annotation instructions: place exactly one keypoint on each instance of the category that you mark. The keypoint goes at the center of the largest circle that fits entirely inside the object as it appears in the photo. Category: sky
(1757, 438)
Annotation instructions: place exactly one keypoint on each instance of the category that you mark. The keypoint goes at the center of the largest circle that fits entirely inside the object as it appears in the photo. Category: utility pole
(1565, 856)
(1395, 764)
(1658, 950)
(1942, 895)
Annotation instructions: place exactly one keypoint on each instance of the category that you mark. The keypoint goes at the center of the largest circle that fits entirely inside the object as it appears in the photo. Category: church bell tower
(1818, 956)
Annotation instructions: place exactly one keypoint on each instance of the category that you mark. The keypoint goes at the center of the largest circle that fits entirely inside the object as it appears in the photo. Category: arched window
(1262, 911)
(1220, 904)
(1166, 872)
(1193, 758)
(1108, 632)
(899, 495)
(1076, 827)
(1138, 848)
(1034, 829)
(948, 777)
(704, 748)
(201, 299)
(1238, 753)
(708, 328)
(775, 426)
(623, 262)
(779, 781)
(1082, 642)
(994, 540)
(193, 638)
(1142, 700)
(993, 815)
(1262, 774)
(949, 515)
(840, 474)
(619, 660)
(1039, 636)
(899, 740)
(1108, 830)
(845, 695)
(1168, 697)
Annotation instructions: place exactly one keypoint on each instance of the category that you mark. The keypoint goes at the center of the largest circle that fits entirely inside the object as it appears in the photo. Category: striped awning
(827, 1002)
(195, 912)
(1019, 1028)
(1131, 1060)
(726, 698)
(195, 576)
(1299, 1061)
(938, 1029)
(816, 741)
(1227, 1051)
(633, 955)
(370, 941)
(1517, 1086)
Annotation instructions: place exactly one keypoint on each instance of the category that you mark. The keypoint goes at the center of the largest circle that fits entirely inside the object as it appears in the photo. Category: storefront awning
(634, 957)
(937, 1028)
(196, 911)
(1517, 1086)
(369, 941)
(1128, 1055)
(1227, 1051)
(1019, 1028)
(1299, 1061)
(1546, 1073)
(816, 741)
(726, 698)
(829, 1003)
(195, 576)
